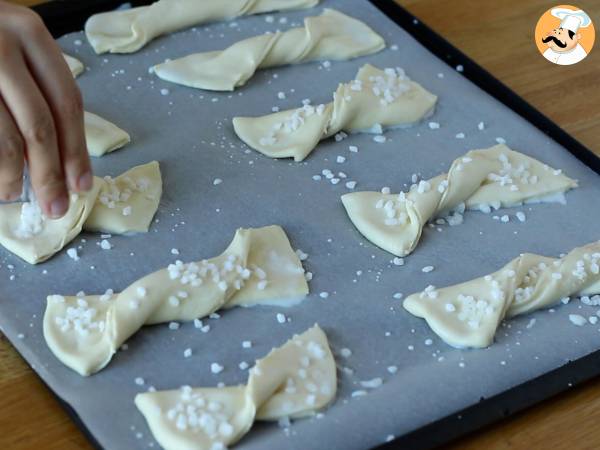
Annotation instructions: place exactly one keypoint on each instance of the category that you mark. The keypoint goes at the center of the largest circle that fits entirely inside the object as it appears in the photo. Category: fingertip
(58, 207)
(85, 181)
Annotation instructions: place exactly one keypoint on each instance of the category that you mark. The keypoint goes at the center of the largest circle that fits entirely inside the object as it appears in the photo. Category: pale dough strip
(118, 205)
(375, 100)
(330, 36)
(468, 314)
(292, 381)
(258, 267)
(484, 179)
(126, 31)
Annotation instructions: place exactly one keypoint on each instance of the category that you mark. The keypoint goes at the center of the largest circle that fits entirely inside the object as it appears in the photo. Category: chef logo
(564, 35)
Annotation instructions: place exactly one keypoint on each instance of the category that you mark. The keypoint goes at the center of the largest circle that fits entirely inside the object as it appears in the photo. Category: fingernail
(59, 207)
(85, 182)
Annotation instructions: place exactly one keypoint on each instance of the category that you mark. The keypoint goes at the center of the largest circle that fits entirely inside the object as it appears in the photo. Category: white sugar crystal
(521, 216)
(173, 325)
(578, 320)
(217, 181)
(351, 184)
(246, 344)
(243, 365)
(198, 323)
(105, 245)
(380, 139)
(481, 126)
(346, 352)
(301, 255)
(397, 295)
(500, 140)
(187, 353)
(433, 125)
(353, 148)
(460, 135)
(428, 342)
(340, 159)
(216, 368)
(505, 218)
(392, 369)
(139, 381)
(281, 318)
(427, 269)
(449, 307)
(72, 253)
(324, 294)
(164, 91)
(398, 261)
(372, 384)
(281, 95)
(316, 177)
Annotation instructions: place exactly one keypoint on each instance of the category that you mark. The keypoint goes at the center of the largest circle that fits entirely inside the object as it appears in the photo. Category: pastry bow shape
(468, 314)
(330, 36)
(118, 205)
(481, 179)
(258, 267)
(292, 381)
(375, 100)
(128, 30)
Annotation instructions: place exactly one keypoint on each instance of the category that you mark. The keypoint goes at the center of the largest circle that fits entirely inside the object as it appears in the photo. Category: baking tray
(430, 400)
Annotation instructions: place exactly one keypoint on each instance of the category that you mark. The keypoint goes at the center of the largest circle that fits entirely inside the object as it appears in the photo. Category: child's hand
(41, 115)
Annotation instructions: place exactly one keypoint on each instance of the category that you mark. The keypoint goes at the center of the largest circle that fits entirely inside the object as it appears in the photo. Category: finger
(63, 97)
(11, 157)
(36, 125)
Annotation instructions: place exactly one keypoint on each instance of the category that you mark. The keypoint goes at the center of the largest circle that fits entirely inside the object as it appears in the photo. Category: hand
(41, 115)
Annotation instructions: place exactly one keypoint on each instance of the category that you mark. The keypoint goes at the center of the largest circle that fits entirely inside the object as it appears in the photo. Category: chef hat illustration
(571, 20)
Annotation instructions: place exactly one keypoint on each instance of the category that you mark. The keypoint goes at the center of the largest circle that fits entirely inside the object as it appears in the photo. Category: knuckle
(29, 21)
(51, 182)
(11, 150)
(40, 131)
(72, 107)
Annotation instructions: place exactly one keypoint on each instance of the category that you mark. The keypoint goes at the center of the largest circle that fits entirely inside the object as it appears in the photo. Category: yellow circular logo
(565, 35)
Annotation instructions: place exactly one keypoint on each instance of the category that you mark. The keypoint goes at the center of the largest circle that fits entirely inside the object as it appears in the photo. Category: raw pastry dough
(375, 99)
(332, 35)
(74, 64)
(124, 204)
(126, 31)
(295, 380)
(258, 267)
(481, 179)
(103, 136)
(468, 314)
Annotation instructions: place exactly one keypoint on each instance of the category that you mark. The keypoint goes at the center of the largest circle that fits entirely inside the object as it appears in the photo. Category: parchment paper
(190, 133)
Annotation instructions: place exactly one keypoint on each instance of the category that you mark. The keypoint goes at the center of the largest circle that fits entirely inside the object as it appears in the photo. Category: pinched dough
(292, 381)
(468, 314)
(481, 179)
(258, 267)
(376, 99)
(103, 136)
(330, 36)
(126, 31)
(124, 204)
(74, 64)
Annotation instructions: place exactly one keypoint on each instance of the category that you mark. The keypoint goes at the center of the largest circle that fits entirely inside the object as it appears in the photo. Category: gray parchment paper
(190, 133)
